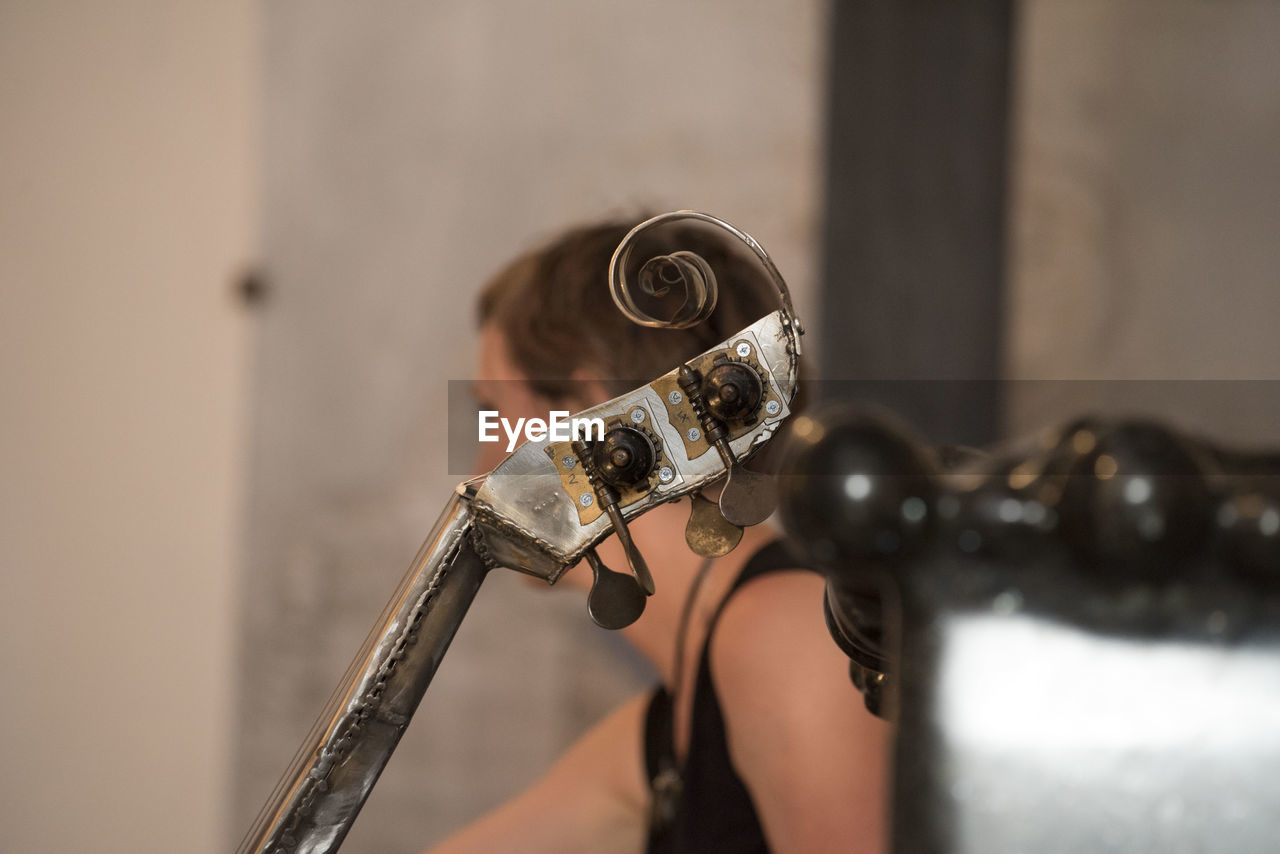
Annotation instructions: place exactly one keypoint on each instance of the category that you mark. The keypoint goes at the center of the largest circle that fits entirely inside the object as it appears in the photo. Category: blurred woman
(756, 740)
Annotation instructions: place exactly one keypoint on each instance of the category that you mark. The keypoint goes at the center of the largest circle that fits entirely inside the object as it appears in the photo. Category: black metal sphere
(1136, 503)
(1000, 520)
(1248, 529)
(855, 487)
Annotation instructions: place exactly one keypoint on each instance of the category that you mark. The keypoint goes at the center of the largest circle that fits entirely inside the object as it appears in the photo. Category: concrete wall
(1144, 259)
(410, 150)
(127, 170)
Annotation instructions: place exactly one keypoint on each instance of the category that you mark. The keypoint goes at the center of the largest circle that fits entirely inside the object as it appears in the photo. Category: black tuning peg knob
(609, 498)
(624, 457)
(733, 391)
(616, 600)
(748, 498)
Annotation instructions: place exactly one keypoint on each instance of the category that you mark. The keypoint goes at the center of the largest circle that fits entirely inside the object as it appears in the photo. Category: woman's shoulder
(762, 567)
(796, 727)
(770, 628)
(774, 611)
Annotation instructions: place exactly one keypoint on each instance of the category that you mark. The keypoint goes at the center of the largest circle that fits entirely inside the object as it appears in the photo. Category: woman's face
(499, 385)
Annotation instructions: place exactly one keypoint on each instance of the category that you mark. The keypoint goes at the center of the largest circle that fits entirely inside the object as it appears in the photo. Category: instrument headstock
(552, 501)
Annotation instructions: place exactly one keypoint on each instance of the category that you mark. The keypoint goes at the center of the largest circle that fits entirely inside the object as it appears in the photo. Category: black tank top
(704, 806)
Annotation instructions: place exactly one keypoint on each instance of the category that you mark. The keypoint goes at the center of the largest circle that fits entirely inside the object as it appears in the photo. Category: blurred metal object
(538, 512)
(1079, 639)
(857, 491)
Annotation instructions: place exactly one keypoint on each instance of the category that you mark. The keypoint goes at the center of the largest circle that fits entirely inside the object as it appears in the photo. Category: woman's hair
(553, 306)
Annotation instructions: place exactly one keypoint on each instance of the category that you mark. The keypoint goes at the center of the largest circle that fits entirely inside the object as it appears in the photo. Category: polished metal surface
(703, 292)
(1047, 735)
(318, 798)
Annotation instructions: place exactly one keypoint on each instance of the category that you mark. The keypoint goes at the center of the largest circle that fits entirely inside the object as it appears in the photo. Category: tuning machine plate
(574, 479)
(684, 418)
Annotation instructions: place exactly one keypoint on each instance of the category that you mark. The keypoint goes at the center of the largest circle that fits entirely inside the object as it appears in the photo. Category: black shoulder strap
(659, 744)
(658, 736)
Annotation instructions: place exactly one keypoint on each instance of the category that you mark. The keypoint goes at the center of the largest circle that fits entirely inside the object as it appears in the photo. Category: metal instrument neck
(317, 800)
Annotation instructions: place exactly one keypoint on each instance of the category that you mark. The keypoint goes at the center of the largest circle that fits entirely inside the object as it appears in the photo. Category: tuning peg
(639, 568)
(609, 497)
(748, 498)
(616, 600)
(708, 533)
